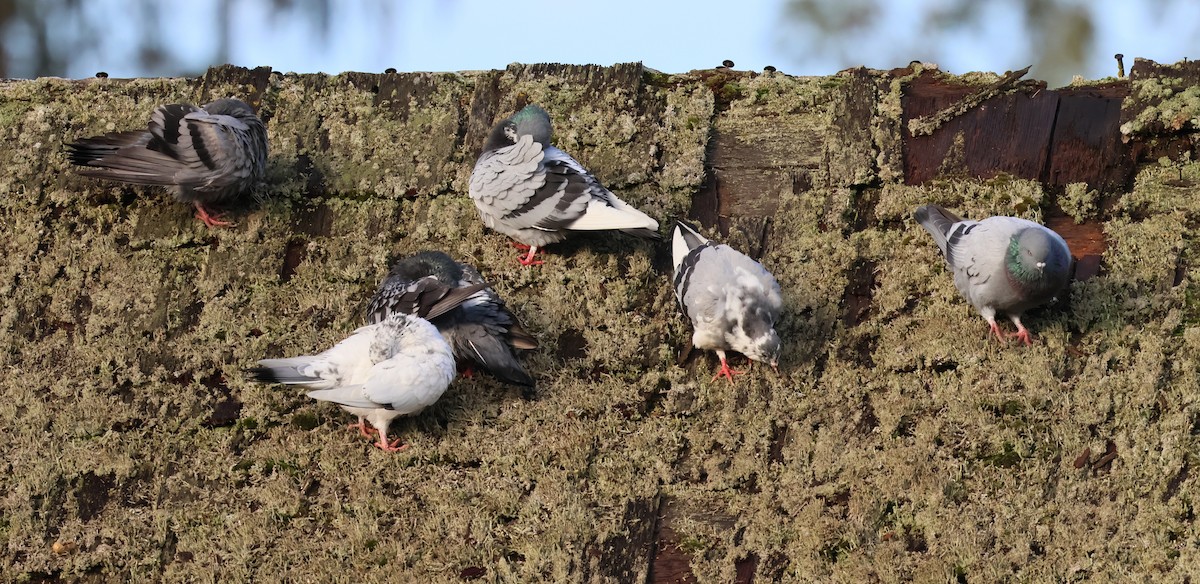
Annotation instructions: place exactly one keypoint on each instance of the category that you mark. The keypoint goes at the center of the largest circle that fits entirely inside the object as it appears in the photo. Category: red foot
(391, 446)
(528, 259)
(469, 373)
(364, 429)
(996, 331)
(726, 372)
(1023, 336)
(210, 220)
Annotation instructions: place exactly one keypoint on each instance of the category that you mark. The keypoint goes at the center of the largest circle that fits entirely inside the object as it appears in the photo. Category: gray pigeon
(481, 330)
(397, 366)
(206, 156)
(732, 301)
(1000, 264)
(536, 194)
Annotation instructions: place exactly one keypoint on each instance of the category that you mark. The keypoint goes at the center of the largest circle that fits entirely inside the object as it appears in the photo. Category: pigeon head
(231, 107)
(531, 121)
(764, 348)
(428, 263)
(760, 342)
(1034, 255)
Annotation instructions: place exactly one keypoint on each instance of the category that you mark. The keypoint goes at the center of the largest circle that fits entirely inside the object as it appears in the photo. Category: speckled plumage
(1000, 264)
(732, 300)
(206, 156)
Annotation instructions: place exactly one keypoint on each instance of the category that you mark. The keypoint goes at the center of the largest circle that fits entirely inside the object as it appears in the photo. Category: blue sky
(672, 36)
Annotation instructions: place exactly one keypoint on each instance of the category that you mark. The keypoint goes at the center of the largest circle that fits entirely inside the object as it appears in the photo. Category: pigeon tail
(937, 221)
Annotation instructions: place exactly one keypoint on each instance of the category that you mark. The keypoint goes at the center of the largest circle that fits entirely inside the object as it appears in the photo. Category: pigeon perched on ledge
(481, 330)
(537, 194)
(396, 367)
(206, 156)
(1000, 264)
(732, 300)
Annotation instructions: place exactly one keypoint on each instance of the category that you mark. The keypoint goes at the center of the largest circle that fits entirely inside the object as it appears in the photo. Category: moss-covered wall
(899, 442)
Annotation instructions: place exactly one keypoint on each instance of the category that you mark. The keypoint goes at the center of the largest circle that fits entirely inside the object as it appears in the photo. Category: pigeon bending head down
(206, 156)
(1000, 264)
(481, 330)
(732, 300)
(537, 194)
(398, 366)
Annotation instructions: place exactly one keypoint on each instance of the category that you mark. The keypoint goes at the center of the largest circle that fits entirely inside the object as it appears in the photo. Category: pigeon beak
(1041, 266)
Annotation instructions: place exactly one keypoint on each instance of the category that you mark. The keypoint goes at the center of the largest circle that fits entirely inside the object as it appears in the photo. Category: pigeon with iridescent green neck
(1000, 264)
(536, 194)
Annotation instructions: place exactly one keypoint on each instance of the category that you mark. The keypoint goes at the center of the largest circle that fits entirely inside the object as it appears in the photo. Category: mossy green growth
(1078, 201)
(897, 443)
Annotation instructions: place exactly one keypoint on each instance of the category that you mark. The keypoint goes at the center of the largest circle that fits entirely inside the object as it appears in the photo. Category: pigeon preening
(537, 194)
(207, 157)
(481, 330)
(396, 367)
(732, 300)
(1000, 264)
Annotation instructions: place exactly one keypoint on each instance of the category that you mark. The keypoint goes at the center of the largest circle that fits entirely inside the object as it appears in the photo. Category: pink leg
(364, 429)
(1022, 333)
(725, 370)
(210, 220)
(393, 446)
(528, 260)
(996, 330)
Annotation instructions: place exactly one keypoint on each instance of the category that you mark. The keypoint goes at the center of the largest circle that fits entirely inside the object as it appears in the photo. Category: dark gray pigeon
(537, 194)
(732, 301)
(206, 156)
(396, 367)
(481, 330)
(1000, 264)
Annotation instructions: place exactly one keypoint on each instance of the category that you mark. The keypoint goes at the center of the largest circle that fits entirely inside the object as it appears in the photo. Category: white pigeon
(206, 156)
(732, 300)
(1000, 264)
(537, 194)
(397, 367)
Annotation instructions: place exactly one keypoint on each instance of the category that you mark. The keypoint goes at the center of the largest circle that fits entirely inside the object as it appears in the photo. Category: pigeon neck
(1021, 267)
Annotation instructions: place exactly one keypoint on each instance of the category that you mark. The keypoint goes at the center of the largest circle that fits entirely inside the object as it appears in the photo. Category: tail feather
(937, 221)
(285, 371)
(643, 233)
(489, 352)
(685, 239)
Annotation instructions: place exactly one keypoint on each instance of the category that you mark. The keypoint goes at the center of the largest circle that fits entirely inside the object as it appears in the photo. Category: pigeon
(537, 194)
(1000, 264)
(395, 367)
(206, 156)
(732, 300)
(481, 330)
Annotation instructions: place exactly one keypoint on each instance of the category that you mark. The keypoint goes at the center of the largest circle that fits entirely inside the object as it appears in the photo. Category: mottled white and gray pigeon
(1000, 264)
(732, 300)
(481, 330)
(537, 194)
(206, 156)
(396, 367)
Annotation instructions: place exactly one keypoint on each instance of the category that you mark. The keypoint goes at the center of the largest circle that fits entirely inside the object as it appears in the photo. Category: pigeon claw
(394, 446)
(996, 330)
(528, 260)
(210, 220)
(1023, 336)
(364, 429)
(726, 372)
